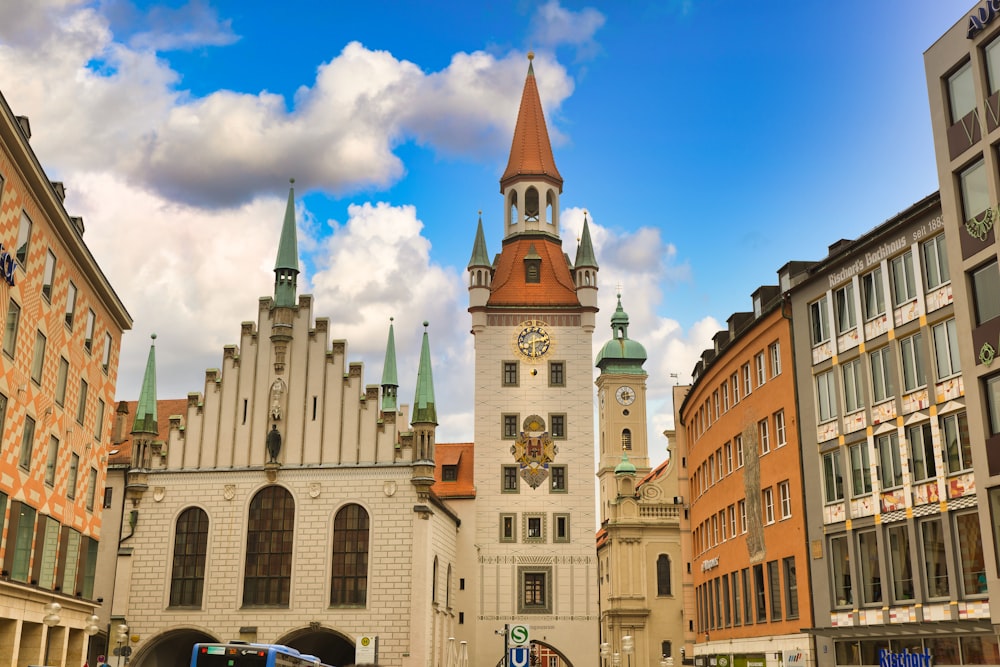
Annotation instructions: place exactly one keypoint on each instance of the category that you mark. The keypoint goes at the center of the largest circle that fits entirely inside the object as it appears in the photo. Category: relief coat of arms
(534, 450)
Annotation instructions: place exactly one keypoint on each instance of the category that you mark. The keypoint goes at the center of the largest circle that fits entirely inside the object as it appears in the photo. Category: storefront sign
(982, 17)
(709, 564)
(904, 659)
(7, 265)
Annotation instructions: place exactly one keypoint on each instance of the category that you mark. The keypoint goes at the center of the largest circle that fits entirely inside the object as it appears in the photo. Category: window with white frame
(763, 433)
(732, 520)
(774, 352)
(826, 396)
(729, 458)
(725, 397)
(881, 375)
(946, 349)
(874, 294)
(747, 384)
(833, 481)
(785, 496)
(903, 287)
(958, 449)
(741, 506)
(738, 440)
(890, 466)
(819, 321)
(844, 302)
(861, 474)
(759, 368)
(921, 446)
(853, 394)
(715, 403)
(768, 500)
(734, 380)
(911, 353)
(779, 429)
(935, 262)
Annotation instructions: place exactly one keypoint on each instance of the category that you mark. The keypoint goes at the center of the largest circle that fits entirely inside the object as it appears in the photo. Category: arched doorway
(331, 647)
(171, 649)
(542, 655)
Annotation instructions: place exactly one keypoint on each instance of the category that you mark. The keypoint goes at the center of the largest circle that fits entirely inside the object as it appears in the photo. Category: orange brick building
(747, 514)
(58, 368)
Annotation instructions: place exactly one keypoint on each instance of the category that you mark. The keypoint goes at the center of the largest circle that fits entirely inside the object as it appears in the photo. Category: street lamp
(91, 629)
(122, 639)
(51, 619)
(605, 652)
(616, 659)
(628, 645)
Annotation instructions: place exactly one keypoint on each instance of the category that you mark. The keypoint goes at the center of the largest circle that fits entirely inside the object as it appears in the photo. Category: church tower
(533, 316)
(621, 403)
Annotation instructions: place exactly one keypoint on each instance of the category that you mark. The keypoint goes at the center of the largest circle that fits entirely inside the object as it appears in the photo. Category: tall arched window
(187, 576)
(350, 556)
(663, 575)
(434, 581)
(531, 204)
(627, 439)
(267, 578)
(447, 590)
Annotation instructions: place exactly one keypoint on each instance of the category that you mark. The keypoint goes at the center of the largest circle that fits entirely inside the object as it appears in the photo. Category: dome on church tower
(621, 354)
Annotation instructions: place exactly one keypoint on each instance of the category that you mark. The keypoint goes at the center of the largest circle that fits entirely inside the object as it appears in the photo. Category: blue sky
(710, 141)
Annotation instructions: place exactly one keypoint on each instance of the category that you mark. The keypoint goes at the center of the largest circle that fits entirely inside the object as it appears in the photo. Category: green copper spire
(585, 250)
(625, 467)
(423, 403)
(145, 411)
(286, 266)
(480, 257)
(621, 354)
(390, 383)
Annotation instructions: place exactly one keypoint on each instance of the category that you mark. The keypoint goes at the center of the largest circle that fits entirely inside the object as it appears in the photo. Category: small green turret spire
(286, 266)
(625, 467)
(424, 411)
(390, 383)
(585, 250)
(480, 256)
(145, 411)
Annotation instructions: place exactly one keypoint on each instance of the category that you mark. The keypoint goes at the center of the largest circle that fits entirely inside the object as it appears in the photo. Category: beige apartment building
(58, 369)
(896, 557)
(963, 86)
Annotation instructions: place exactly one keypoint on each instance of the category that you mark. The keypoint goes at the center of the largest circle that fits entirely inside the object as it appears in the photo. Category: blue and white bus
(243, 654)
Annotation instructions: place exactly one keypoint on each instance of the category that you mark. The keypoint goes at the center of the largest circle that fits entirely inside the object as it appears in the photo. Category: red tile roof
(461, 454)
(530, 151)
(555, 286)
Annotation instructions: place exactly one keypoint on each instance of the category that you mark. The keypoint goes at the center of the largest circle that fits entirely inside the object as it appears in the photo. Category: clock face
(625, 395)
(533, 341)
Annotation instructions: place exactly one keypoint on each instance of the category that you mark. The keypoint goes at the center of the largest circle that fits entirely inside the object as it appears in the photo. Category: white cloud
(554, 25)
(189, 26)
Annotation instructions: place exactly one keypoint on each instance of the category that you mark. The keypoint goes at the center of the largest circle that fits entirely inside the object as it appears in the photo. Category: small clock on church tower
(625, 395)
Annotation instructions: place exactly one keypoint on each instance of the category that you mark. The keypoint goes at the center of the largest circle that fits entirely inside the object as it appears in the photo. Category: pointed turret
(390, 383)
(424, 422)
(145, 410)
(480, 256)
(530, 152)
(286, 265)
(585, 256)
(423, 403)
(531, 183)
(585, 267)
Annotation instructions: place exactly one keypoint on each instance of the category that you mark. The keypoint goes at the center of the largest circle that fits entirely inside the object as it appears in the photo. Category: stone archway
(541, 653)
(170, 649)
(330, 646)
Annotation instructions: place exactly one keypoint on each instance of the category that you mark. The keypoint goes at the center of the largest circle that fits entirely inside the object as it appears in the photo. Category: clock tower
(533, 312)
(621, 408)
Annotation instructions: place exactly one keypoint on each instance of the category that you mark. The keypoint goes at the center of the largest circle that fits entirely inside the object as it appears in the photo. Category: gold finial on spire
(531, 55)
(292, 181)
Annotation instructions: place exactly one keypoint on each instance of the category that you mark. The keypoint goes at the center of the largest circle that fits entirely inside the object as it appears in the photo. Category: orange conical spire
(530, 152)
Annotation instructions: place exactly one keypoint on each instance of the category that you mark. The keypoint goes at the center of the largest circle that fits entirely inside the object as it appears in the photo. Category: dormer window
(531, 271)
(449, 473)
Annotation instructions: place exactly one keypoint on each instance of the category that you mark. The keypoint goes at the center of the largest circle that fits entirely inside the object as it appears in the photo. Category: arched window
(434, 581)
(663, 575)
(627, 439)
(187, 576)
(513, 208)
(447, 590)
(550, 207)
(350, 556)
(267, 578)
(665, 649)
(531, 205)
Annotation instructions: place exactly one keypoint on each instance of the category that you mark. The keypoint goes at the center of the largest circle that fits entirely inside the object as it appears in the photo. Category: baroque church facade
(290, 502)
